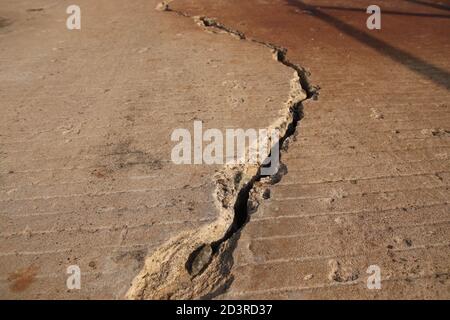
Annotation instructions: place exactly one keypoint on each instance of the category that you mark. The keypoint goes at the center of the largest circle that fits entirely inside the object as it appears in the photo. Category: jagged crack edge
(240, 194)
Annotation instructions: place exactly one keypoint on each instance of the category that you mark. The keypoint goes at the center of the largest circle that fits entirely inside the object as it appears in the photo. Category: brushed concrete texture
(85, 171)
(368, 176)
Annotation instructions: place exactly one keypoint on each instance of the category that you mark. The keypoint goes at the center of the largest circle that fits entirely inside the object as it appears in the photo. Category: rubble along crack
(197, 264)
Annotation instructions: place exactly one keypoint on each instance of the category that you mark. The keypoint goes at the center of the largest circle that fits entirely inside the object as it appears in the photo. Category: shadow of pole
(437, 75)
(431, 4)
(390, 12)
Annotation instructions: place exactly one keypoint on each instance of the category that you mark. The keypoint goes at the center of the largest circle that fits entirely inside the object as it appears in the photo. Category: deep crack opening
(241, 208)
(242, 211)
(208, 263)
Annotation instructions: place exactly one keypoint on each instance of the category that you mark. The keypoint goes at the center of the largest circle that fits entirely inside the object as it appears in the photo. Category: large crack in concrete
(197, 264)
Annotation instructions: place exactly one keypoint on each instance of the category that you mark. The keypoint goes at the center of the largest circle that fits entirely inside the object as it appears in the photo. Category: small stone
(376, 114)
(201, 260)
(338, 273)
(162, 6)
(427, 132)
(308, 277)
(398, 240)
(408, 242)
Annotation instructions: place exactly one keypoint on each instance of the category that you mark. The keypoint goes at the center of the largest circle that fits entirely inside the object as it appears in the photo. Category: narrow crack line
(280, 53)
(197, 264)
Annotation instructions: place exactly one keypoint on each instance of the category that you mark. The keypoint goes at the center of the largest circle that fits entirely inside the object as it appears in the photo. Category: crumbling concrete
(86, 174)
(367, 180)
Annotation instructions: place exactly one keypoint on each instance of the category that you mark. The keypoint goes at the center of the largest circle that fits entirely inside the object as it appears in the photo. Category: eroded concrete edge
(197, 264)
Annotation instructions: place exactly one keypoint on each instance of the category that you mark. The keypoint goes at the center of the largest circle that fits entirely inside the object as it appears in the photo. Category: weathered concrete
(86, 177)
(85, 172)
(368, 175)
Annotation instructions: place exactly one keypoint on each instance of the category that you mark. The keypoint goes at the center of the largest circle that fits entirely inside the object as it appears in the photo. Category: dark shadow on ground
(399, 13)
(439, 6)
(437, 75)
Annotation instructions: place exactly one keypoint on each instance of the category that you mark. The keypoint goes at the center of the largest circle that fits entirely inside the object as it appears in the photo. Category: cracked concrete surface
(86, 175)
(363, 186)
(197, 264)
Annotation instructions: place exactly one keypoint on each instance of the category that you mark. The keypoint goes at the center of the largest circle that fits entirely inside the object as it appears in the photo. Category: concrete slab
(367, 178)
(86, 174)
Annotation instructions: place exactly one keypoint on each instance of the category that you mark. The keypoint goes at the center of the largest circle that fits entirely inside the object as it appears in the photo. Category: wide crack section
(199, 259)
(197, 264)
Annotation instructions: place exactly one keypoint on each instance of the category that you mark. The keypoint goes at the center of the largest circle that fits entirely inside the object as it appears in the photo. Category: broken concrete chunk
(341, 274)
(201, 260)
(308, 277)
(162, 6)
(376, 114)
(439, 132)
